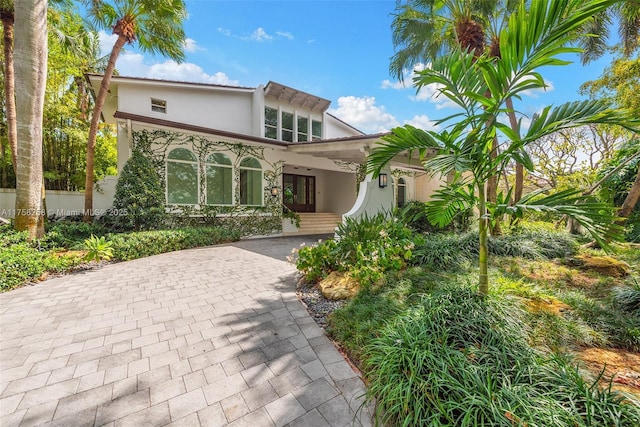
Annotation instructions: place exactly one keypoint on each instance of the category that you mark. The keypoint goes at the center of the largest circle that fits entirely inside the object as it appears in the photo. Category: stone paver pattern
(211, 336)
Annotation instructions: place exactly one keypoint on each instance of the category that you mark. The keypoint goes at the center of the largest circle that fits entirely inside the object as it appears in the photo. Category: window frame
(251, 169)
(275, 128)
(188, 162)
(159, 105)
(229, 166)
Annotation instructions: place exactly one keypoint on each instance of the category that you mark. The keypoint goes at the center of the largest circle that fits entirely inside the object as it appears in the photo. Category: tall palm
(7, 17)
(31, 76)
(156, 27)
(532, 39)
(626, 14)
(424, 30)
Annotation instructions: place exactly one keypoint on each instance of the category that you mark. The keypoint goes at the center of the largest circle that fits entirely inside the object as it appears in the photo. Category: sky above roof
(338, 50)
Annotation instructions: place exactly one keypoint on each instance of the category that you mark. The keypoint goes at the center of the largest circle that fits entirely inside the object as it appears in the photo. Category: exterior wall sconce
(275, 191)
(382, 180)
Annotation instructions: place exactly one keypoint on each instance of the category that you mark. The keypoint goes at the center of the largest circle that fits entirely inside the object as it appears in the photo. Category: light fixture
(275, 191)
(382, 180)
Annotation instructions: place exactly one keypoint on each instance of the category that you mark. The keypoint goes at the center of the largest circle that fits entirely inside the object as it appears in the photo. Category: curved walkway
(212, 336)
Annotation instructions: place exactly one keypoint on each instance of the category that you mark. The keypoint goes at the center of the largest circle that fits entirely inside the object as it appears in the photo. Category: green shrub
(70, 235)
(139, 199)
(365, 248)
(458, 359)
(627, 298)
(413, 216)
(146, 243)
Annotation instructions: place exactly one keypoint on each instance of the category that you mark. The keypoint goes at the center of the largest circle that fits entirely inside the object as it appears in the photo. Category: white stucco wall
(334, 128)
(223, 109)
(65, 203)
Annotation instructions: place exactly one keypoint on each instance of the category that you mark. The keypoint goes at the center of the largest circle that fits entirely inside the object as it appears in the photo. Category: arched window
(401, 200)
(219, 177)
(250, 182)
(182, 177)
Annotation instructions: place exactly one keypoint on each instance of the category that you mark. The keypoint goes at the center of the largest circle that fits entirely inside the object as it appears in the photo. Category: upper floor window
(270, 123)
(303, 129)
(316, 130)
(219, 179)
(158, 105)
(182, 177)
(287, 126)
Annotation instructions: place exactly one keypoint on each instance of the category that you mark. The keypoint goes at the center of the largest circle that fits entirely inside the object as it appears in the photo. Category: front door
(299, 192)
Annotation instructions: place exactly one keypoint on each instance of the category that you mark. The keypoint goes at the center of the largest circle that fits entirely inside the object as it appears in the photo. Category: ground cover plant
(70, 244)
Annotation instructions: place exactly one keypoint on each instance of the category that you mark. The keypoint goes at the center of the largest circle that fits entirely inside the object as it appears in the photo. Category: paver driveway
(211, 336)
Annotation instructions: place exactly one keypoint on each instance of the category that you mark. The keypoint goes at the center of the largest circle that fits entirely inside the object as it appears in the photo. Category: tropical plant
(31, 74)
(156, 27)
(534, 37)
(98, 249)
(626, 15)
(7, 17)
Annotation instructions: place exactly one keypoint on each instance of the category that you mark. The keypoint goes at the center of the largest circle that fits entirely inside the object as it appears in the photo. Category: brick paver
(212, 336)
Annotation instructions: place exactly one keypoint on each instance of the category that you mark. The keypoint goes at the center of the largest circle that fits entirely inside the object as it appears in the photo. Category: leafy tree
(7, 18)
(139, 198)
(156, 27)
(533, 38)
(31, 73)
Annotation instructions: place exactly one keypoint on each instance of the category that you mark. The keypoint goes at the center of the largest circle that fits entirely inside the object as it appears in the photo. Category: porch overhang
(355, 150)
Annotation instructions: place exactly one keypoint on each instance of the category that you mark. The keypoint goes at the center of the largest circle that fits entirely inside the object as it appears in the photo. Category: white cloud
(225, 31)
(106, 42)
(430, 93)
(422, 122)
(388, 84)
(364, 114)
(259, 35)
(190, 45)
(285, 34)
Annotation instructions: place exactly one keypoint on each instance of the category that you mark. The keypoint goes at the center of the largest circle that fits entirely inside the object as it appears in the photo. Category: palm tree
(7, 17)
(427, 29)
(31, 76)
(156, 26)
(532, 39)
(627, 15)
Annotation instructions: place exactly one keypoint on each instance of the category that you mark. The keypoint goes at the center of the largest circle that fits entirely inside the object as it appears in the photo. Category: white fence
(65, 203)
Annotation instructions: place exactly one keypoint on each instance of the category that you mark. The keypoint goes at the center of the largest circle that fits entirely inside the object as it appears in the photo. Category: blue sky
(338, 50)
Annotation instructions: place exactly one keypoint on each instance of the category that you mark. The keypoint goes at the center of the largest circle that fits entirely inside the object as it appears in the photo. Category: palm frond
(449, 201)
(597, 218)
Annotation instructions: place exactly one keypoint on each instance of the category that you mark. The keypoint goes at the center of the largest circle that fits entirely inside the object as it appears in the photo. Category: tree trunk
(632, 198)
(519, 185)
(7, 17)
(93, 130)
(31, 72)
(483, 284)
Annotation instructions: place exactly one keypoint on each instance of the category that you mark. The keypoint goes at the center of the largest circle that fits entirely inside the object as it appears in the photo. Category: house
(245, 152)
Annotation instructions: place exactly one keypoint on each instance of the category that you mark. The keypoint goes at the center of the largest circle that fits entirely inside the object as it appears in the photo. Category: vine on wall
(250, 220)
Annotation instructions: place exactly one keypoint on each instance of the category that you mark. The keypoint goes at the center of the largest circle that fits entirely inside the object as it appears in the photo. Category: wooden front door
(299, 192)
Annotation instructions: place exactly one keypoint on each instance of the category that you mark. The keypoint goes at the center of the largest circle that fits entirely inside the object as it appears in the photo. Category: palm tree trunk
(93, 129)
(31, 70)
(483, 285)
(632, 198)
(7, 17)
(519, 185)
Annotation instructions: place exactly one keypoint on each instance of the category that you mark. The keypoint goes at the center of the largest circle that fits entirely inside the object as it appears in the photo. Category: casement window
(316, 130)
(219, 172)
(401, 198)
(303, 129)
(182, 177)
(250, 182)
(158, 105)
(270, 123)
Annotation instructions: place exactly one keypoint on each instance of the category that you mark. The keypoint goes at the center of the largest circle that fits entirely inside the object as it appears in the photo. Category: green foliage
(139, 199)
(450, 251)
(146, 243)
(98, 249)
(460, 359)
(366, 248)
(22, 261)
(414, 215)
(70, 235)
(617, 186)
(627, 298)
